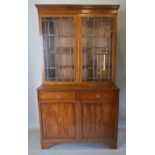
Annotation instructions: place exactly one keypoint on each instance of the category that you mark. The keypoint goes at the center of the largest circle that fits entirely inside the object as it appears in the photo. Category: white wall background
(34, 55)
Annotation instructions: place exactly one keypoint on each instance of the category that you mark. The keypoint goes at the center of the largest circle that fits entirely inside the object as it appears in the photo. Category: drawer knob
(57, 96)
(98, 95)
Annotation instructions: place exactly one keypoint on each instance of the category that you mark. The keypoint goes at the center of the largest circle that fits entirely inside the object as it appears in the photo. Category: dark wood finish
(78, 111)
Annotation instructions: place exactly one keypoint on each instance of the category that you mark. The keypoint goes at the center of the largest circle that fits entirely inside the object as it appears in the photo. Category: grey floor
(75, 149)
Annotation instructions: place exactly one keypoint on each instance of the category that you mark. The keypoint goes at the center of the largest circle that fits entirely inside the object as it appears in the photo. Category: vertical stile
(54, 46)
(79, 51)
(93, 50)
(98, 45)
(108, 51)
(61, 48)
(46, 49)
(111, 47)
(84, 35)
(97, 68)
(70, 48)
(114, 47)
(72, 45)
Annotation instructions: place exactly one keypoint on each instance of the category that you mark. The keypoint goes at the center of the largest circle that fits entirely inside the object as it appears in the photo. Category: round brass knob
(58, 96)
(98, 95)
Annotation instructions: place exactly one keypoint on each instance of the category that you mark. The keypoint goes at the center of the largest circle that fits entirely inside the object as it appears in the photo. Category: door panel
(98, 120)
(58, 120)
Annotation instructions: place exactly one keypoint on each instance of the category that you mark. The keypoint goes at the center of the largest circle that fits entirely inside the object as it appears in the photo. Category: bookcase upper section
(79, 43)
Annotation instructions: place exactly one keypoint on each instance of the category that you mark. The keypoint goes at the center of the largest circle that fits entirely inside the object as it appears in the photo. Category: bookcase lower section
(78, 115)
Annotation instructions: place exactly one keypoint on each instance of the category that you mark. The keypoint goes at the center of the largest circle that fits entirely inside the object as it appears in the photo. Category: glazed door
(59, 48)
(96, 48)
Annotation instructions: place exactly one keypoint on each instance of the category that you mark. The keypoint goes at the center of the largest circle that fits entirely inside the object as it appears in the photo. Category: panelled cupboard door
(58, 120)
(96, 47)
(59, 48)
(98, 120)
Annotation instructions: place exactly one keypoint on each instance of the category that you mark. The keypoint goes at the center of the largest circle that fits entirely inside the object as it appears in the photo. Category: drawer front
(57, 95)
(96, 95)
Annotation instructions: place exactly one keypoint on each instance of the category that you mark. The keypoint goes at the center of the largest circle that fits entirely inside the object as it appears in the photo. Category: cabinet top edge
(76, 88)
(64, 6)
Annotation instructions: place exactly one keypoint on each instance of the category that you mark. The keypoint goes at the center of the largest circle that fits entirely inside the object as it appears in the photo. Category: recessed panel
(98, 120)
(58, 120)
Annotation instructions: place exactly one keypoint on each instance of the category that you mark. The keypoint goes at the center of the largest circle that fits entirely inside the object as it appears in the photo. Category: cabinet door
(58, 33)
(58, 120)
(98, 120)
(96, 48)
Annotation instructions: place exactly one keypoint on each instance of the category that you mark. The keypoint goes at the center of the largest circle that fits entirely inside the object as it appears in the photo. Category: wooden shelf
(97, 67)
(58, 49)
(95, 47)
(55, 67)
(60, 36)
(90, 36)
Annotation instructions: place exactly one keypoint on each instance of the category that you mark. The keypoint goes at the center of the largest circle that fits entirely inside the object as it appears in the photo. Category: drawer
(57, 95)
(96, 95)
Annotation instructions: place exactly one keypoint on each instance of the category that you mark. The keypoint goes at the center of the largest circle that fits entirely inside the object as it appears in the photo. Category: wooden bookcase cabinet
(78, 100)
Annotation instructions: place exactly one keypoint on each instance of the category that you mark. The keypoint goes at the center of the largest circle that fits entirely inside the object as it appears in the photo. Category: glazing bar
(49, 38)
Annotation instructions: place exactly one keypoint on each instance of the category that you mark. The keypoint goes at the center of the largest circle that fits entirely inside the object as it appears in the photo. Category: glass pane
(58, 43)
(97, 48)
